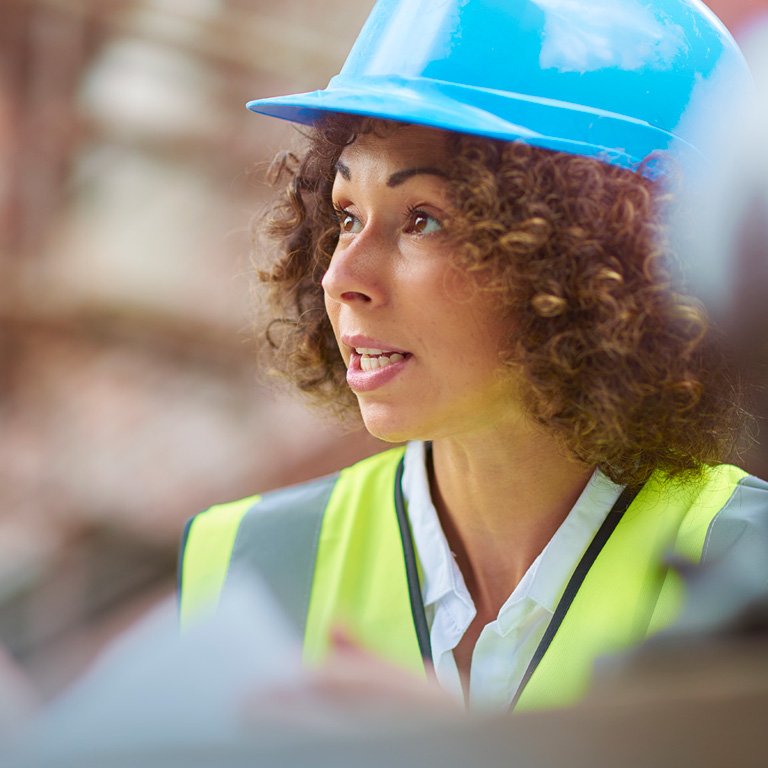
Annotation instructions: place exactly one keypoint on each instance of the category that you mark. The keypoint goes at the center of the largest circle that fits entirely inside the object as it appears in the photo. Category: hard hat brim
(477, 111)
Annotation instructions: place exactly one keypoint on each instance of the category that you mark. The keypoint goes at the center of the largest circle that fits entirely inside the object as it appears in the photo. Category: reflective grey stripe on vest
(735, 554)
(278, 537)
(739, 531)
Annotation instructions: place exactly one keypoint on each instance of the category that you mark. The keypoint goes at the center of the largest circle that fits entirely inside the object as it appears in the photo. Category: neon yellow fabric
(360, 578)
(206, 557)
(627, 593)
(703, 509)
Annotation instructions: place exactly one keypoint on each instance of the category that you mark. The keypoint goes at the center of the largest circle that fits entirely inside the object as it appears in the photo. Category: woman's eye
(424, 224)
(347, 222)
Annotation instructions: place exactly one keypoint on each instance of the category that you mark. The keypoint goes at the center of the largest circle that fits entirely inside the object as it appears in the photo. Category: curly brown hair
(618, 365)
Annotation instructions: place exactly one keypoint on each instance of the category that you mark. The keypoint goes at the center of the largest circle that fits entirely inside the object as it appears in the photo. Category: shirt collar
(439, 572)
(565, 549)
(548, 575)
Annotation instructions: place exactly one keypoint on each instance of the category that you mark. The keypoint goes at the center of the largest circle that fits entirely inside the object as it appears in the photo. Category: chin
(390, 427)
(389, 435)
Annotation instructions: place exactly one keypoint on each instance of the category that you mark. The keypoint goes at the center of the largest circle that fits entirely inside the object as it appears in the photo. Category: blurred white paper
(156, 688)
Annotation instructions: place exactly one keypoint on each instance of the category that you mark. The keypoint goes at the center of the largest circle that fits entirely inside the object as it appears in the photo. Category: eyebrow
(343, 170)
(398, 177)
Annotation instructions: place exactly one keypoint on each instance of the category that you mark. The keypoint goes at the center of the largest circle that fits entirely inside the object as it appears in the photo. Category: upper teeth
(376, 358)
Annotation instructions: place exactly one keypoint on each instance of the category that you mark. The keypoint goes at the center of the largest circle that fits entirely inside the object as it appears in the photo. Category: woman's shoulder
(381, 467)
(723, 482)
(722, 510)
(741, 524)
(277, 532)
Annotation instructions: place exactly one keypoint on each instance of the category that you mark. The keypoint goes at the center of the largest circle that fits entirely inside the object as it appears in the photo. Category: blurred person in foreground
(722, 227)
(473, 261)
(725, 247)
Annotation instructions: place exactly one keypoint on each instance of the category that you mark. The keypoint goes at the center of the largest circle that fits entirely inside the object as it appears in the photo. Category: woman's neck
(500, 499)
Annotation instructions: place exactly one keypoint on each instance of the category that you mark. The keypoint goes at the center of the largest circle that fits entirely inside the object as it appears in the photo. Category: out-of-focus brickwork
(129, 173)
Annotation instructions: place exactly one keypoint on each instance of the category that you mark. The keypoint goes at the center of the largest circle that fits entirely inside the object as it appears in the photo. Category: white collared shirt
(507, 644)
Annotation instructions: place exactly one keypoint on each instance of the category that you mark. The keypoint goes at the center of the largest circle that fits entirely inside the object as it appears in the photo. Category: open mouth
(371, 359)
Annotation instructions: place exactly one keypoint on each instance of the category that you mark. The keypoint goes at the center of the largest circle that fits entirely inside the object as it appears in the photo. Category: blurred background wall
(129, 175)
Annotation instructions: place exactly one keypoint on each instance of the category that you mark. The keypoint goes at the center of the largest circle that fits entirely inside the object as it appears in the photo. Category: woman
(472, 262)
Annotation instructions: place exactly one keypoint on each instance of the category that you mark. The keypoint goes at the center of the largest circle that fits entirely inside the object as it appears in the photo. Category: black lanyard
(577, 578)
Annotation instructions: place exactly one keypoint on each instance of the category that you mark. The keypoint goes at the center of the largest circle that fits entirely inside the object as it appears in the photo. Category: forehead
(403, 146)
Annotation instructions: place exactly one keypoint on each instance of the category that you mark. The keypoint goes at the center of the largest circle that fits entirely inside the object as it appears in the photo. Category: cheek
(331, 309)
(488, 332)
(459, 286)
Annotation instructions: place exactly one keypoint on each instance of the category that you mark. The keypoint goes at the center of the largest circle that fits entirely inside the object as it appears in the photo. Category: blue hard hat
(616, 79)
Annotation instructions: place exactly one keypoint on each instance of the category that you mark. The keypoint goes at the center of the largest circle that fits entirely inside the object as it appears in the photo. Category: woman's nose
(355, 274)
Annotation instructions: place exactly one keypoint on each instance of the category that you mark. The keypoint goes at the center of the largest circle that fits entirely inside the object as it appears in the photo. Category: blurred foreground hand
(352, 687)
(18, 699)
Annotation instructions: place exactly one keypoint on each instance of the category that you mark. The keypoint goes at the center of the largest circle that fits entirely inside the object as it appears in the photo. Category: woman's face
(420, 341)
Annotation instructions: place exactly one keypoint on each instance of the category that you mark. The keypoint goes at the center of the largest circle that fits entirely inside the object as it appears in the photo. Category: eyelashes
(345, 219)
(339, 212)
(423, 223)
(419, 221)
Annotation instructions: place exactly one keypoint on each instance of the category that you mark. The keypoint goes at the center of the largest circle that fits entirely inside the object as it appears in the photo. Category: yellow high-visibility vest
(332, 551)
